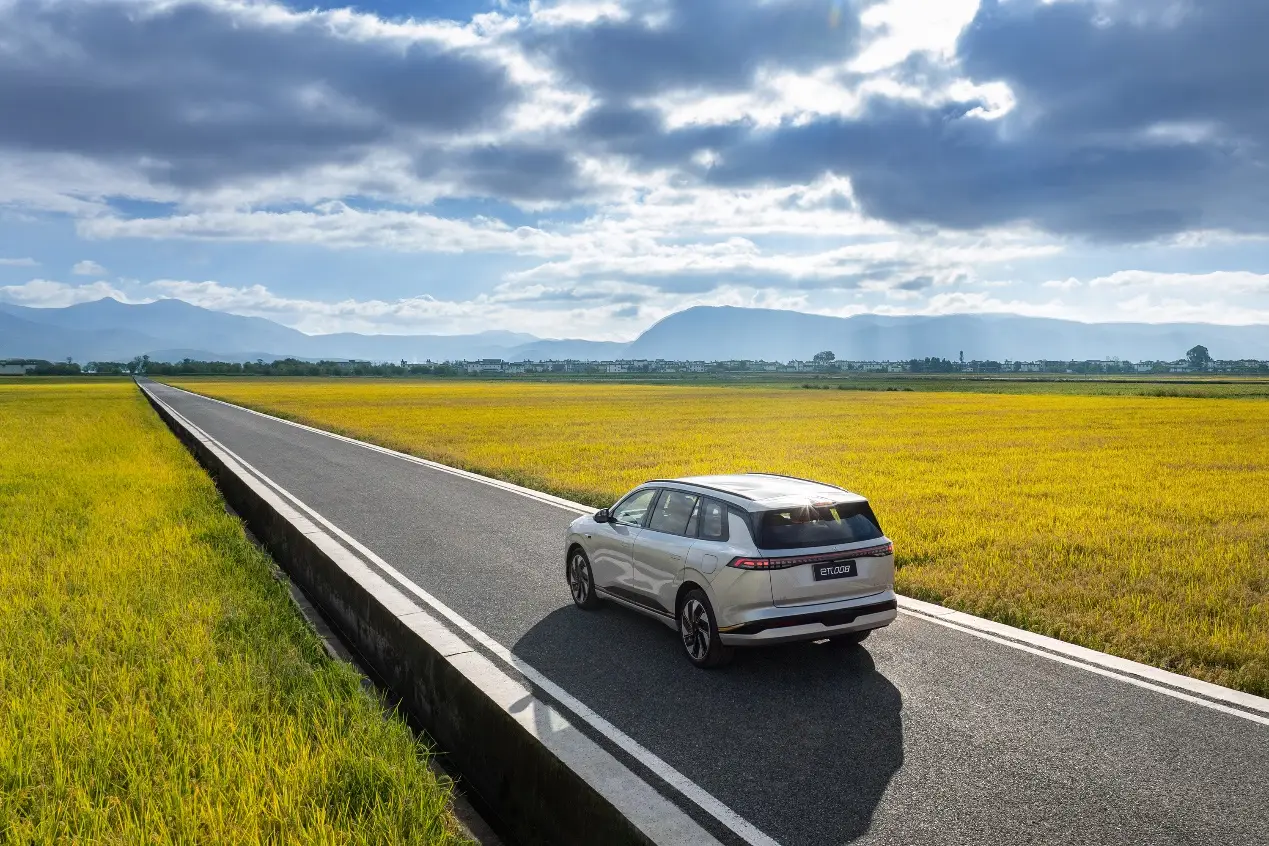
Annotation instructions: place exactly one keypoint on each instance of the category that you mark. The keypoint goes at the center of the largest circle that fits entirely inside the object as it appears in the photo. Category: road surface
(924, 735)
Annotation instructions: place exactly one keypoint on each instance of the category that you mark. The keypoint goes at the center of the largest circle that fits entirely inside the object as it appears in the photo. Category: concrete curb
(548, 782)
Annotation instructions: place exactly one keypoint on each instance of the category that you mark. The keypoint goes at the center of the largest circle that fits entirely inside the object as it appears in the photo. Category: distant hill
(176, 322)
(724, 332)
(107, 330)
(26, 339)
(167, 330)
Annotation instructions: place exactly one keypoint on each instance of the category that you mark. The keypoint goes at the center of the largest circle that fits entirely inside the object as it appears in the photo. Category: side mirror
(602, 516)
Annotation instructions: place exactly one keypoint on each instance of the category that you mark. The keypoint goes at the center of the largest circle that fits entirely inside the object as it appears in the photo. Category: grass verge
(1134, 525)
(156, 684)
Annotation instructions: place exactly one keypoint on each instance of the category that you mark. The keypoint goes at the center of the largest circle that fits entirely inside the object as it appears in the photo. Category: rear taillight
(742, 563)
(751, 563)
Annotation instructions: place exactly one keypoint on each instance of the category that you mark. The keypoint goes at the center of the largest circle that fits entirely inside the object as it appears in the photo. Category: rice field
(156, 684)
(1134, 525)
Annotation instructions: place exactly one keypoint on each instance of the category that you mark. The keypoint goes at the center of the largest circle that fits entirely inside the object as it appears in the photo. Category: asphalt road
(925, 735)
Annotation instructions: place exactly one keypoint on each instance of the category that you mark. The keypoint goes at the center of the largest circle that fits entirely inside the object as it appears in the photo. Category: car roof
(764, 491)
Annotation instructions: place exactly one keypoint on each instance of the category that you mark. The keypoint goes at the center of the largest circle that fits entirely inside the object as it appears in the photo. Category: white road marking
(1109, 666)
(739, 826)
(1175, 694)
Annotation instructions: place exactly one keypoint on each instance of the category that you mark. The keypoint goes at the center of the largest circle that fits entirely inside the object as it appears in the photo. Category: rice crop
(1134, 525)
(156, 684)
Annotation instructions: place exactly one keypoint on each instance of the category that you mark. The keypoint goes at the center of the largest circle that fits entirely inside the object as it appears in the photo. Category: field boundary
(548, 781)
(1186, 688)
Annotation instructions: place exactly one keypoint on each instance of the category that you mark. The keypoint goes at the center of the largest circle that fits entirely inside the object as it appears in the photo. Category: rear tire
(581, 581)
(850, 638)
(698, 632)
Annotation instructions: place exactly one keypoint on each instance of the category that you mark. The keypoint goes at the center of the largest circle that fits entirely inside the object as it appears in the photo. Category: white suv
(741, 559)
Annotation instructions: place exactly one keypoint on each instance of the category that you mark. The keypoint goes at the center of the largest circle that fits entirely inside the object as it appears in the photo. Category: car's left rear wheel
(698, 630)
(581, 581)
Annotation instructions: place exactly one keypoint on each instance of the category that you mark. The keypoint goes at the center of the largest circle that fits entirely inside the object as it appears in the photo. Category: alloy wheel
(579, 578)
(694, 628)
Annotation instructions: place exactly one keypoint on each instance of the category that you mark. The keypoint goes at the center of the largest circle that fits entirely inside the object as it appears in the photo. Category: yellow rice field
(156, 684)
(1135, 525)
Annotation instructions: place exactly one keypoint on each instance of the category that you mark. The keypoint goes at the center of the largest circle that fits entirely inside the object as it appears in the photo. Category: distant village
(928, 365)
(1196, 361)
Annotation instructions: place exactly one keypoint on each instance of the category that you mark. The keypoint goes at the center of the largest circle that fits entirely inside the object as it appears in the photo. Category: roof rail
(699, 485)
(795, 478)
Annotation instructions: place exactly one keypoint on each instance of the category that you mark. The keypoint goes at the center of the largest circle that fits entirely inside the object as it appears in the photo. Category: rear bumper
(800, 624)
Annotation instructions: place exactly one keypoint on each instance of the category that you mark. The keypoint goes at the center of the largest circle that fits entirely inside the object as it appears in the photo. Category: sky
(582, 168)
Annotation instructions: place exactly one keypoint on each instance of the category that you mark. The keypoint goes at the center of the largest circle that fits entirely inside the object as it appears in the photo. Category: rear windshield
(818, 525)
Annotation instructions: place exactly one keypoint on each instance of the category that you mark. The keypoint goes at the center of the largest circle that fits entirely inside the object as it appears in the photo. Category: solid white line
(1110, 666)
(1120, 666)
(1184, 697)
(739, 826)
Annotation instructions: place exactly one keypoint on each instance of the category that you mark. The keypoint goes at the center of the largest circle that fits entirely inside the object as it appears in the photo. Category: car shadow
(801, 740)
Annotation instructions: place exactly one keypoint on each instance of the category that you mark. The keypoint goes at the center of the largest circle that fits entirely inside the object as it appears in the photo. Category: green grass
(156, 684)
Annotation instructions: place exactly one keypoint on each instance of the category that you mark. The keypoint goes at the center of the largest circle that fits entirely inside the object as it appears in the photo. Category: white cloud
(1221, 281)
(667, 232)
(335, 225)
(897, 28)
(47, 293)
(88, 267)
(1148, 309)
(1068, 284)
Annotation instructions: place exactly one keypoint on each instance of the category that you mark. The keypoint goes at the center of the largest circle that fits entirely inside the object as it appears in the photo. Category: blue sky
(582, 168)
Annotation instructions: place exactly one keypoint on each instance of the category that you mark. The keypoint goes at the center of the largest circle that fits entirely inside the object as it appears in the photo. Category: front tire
(698, 632)
(581, 581)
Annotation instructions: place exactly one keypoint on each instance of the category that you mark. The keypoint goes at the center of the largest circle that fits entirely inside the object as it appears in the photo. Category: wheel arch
(689, 584)
(574, 546)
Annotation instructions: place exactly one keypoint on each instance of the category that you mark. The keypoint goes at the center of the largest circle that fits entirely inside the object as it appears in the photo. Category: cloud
(46, 293)
(643, 155)
(18, 262)
(1102, 132)
(1070, 117)
(194, 93)
(1067, 284)
(88, 268)
(333, 225)
(1216, 282)
(647, 48)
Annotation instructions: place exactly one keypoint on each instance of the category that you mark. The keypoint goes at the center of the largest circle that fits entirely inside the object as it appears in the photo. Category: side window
(713, 520)
(672, 512)
(630, 510)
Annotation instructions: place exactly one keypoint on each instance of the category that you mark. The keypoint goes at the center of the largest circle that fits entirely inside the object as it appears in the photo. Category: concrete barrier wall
(484, 722)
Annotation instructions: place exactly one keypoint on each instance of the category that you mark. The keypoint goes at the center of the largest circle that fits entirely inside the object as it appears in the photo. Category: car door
(711, 526)
(660, 551)
(610, 544)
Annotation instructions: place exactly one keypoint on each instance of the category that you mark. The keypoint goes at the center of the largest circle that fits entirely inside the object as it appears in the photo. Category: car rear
(824, 551)
(828, 565)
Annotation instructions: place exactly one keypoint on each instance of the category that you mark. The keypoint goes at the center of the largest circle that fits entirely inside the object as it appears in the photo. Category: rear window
(817, 525)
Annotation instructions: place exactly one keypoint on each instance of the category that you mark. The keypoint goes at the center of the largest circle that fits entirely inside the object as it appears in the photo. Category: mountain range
(170, 330)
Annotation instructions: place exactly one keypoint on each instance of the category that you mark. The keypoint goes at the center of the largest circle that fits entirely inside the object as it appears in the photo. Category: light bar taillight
(751, 563)
(743, 563)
